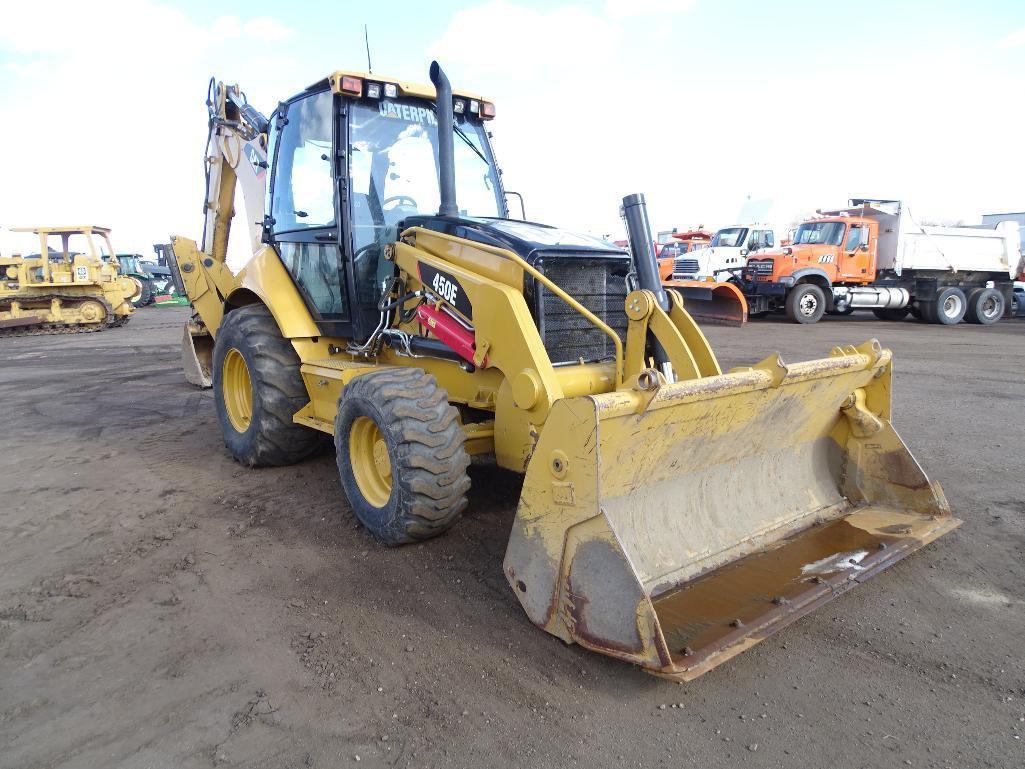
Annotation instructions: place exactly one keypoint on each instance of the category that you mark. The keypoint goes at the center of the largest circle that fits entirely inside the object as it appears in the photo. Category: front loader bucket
(712, 304)
(675, 527)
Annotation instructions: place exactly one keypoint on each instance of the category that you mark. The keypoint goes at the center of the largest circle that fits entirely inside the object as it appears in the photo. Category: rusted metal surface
(720, 614)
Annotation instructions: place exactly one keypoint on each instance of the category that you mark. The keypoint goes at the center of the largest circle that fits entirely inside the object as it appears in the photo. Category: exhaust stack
(638, 231)
(446, 151)
(635, 213)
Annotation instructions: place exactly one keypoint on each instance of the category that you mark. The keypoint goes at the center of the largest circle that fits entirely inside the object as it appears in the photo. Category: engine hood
(528, 239)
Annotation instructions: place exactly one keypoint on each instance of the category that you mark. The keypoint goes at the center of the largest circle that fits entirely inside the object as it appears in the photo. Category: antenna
(366, 40)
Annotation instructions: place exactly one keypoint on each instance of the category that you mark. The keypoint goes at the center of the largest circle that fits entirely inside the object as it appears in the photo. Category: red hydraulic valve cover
(448, 330)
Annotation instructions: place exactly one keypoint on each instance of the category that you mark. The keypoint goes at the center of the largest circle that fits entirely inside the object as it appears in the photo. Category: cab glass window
(316, 270)
(303, 194)
(393, 174)
(853, 239)
(730, 237)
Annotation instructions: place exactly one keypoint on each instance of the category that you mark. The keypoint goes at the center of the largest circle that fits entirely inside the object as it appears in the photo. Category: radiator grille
(599, 285)
(761, 266)
(687, 266)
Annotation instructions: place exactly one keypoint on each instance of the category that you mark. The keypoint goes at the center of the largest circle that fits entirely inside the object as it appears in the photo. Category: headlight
(391, 90)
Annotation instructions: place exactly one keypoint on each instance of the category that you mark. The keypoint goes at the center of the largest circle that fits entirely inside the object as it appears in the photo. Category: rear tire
(257, 389)
(949, 307)
(985, 306)
(890, 313)
(401, 455)
(145, 293)
(806, 303)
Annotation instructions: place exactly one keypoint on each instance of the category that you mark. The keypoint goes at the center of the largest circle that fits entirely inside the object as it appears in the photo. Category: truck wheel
(985, 306)
(806, 303)
(949, 307)
(401, 455)
(257, 389)
(898, 313)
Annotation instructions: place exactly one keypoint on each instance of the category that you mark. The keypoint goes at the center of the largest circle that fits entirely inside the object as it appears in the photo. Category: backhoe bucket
(675, 526)
(197, 357)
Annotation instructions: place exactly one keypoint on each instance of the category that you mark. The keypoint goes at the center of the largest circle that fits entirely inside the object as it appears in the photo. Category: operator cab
(351, 159)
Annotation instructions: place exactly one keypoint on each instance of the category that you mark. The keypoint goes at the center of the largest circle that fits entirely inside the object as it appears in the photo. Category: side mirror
(863, 246)
(744, 252)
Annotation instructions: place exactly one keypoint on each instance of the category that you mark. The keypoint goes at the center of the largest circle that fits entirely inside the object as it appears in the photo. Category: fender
(807, 272)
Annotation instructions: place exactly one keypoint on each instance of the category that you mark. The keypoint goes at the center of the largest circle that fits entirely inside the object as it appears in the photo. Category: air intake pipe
(446, 151)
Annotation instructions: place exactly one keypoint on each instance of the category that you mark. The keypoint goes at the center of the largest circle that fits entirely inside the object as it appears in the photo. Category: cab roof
(69, 229)
(406, 88)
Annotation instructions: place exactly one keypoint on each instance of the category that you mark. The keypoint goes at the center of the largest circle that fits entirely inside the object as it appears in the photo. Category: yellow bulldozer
(672, 515)
(70, 285)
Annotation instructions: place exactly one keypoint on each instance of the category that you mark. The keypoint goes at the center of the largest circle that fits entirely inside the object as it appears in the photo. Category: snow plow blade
(712, 304)
(676, 526)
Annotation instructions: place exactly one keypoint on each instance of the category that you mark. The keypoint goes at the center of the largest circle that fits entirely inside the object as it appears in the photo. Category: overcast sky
(697, 103)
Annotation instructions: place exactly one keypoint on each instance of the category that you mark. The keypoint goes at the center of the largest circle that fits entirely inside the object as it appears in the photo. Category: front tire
(257, 389)
(806, 303)
(401, 455)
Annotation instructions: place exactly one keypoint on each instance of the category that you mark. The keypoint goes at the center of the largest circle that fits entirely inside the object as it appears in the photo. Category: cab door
(303, 224)
(854, 256)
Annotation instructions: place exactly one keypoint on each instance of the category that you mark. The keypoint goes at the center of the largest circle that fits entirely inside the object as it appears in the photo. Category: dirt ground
(160, 606)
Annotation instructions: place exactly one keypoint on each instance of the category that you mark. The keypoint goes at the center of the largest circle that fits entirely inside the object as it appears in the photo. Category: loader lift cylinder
(446, 151)
(638, 232)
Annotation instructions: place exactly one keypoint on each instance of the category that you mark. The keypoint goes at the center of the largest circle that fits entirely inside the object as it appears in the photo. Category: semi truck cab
(726, 254)
(834, 249)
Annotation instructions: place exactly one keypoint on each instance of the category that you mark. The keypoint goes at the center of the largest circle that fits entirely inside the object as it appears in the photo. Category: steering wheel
(399, 199)
(361, 253)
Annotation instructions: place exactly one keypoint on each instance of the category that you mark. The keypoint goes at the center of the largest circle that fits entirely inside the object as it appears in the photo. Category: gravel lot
(160, 606)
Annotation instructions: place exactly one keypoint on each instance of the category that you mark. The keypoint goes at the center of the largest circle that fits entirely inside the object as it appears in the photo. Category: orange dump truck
(874, 255)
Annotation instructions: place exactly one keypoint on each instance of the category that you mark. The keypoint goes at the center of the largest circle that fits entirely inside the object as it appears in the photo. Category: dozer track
(24, 326)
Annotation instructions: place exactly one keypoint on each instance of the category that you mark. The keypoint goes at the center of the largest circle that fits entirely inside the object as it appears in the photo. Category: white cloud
(112, 132)
(619, 9)
(490, 38)
(585, 117)
(1013, 40)
(264, 29)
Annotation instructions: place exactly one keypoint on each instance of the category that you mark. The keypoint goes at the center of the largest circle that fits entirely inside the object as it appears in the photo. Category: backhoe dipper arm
(236, 155)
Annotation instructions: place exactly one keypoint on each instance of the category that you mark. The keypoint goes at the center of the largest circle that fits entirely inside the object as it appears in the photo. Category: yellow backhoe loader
(69, 286)
(672, 515)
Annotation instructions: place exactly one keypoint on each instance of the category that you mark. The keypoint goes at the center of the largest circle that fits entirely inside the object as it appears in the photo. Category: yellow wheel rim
(237, 390)
(371, 464)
